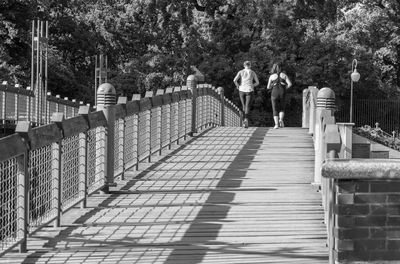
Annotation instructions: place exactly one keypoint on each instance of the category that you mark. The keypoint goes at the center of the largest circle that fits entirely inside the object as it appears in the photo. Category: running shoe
(246, 123)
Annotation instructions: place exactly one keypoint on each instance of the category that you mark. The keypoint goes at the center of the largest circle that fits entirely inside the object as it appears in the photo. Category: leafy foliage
(151, 44)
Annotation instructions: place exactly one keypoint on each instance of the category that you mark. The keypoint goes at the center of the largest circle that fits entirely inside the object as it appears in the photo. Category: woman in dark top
(278, 82)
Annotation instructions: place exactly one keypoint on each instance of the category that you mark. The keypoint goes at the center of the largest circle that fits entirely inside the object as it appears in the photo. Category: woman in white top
(278, 82)
(248, 80)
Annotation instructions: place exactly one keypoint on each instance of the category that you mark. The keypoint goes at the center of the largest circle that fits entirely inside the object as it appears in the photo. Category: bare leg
(242, 100)
(247, 104)
(276, 121)
(281, 116)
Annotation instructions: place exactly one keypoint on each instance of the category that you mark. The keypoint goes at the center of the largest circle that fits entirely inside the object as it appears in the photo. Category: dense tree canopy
(151, 44)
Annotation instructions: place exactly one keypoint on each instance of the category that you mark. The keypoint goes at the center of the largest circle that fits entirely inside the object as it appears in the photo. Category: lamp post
(355, 77)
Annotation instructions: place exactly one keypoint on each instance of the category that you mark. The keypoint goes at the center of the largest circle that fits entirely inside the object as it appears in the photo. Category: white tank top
(246, 83)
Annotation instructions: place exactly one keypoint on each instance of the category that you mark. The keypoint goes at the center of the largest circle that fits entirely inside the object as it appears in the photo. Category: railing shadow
(221, 199)
(152, 219)
(67, 235)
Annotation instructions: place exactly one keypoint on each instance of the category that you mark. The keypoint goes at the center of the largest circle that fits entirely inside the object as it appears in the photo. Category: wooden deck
(230, 195)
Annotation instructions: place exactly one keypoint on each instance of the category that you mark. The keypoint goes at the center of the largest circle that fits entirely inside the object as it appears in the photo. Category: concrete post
(191, 83)
(306, 109)
(313, 105)
(346, 134)
(24, 130)
(83, 143)
(325, 107)
(58, 119)
(106, 96)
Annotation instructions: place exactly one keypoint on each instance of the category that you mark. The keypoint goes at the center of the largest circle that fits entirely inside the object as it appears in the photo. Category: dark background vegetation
(151, 44)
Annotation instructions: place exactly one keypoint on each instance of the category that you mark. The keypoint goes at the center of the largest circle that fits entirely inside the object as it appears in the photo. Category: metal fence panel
(144, 135)
(71, 178)
(130, 144)
(165, 125)
(41, 186)
(181, 118)
(155, 129)
(11, 110)
(95, 159)
(188, 116)
(174, 121)
(118, 147)
(9, 233)
(23, 106)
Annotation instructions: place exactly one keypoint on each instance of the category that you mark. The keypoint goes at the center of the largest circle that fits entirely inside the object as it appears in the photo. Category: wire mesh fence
(41, 186)
(95, 159)
(9, 228)
(62, 163)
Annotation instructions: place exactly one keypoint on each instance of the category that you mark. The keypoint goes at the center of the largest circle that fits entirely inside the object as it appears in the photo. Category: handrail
(47, 170)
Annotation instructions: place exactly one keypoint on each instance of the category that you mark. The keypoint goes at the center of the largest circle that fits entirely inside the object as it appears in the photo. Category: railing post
(346, 134)
(324, 115)
(23, 129)
(222, 102)
(83, 156)
(191, 84)
(57, 164)
(305, 121)
(106, 96)
(313, 107)
(123, 101)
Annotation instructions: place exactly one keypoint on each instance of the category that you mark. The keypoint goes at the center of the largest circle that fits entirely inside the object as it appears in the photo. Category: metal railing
(18, 104)
(47, 170)
(371, 111)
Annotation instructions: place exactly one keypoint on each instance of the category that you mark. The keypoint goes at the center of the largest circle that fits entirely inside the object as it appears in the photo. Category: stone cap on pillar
(106, 88)
(326, 98)
(106, 94)
(362, 169)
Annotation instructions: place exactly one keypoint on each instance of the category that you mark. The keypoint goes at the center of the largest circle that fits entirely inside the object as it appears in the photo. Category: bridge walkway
(228, 195)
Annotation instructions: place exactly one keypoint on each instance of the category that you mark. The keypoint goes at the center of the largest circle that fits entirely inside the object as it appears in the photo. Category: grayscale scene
(200, 131)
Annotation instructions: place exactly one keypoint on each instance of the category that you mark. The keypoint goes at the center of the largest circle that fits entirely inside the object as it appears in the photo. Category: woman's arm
(289, 83)
(256, 82)
(236, 79)
(269, 83)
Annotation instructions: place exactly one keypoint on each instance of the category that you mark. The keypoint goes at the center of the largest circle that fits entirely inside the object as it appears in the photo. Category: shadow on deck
(229, 195)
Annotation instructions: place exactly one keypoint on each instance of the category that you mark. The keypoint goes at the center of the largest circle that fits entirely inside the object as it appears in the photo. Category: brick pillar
(366, 209)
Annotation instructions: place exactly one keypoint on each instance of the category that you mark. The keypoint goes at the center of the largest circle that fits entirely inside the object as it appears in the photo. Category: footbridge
(174, 178)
